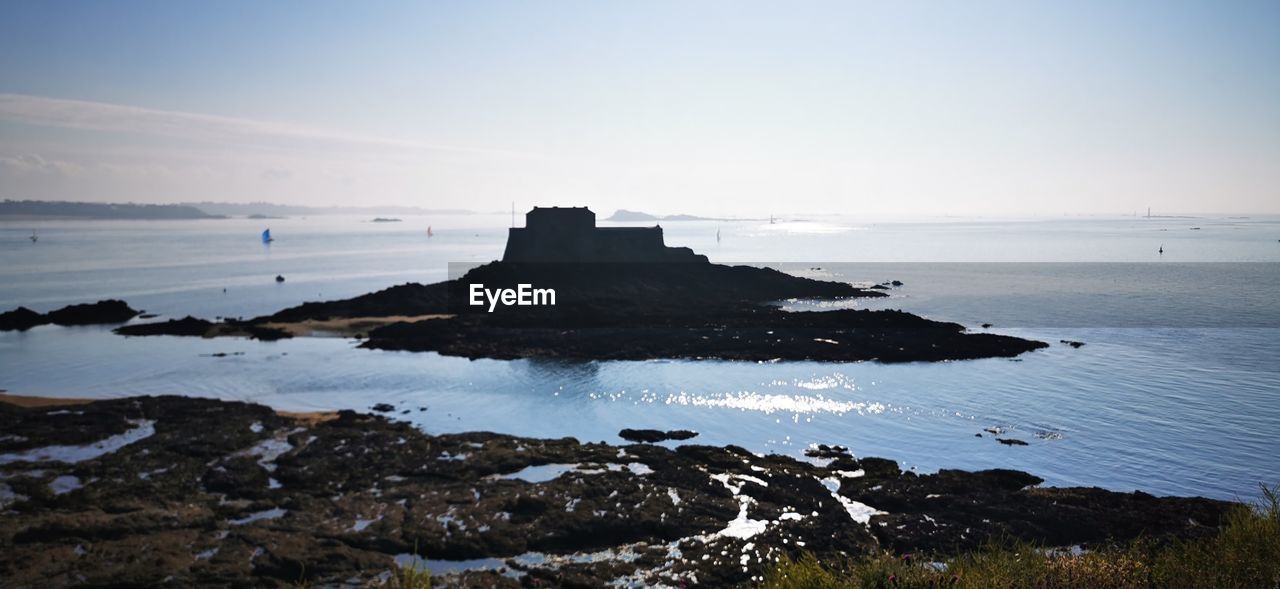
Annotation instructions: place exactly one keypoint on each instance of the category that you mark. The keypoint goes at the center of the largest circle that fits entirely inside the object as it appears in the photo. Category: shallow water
(1175, 391)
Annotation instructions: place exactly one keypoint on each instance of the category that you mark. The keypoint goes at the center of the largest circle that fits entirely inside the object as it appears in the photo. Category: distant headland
(36, 209)
(623, 215)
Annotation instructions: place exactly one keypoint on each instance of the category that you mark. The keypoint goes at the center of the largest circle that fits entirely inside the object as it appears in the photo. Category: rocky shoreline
(184, 491)
(622, 311)
(99, 313)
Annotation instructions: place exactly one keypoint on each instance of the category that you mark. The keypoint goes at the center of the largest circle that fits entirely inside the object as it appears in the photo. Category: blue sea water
(1176, 390)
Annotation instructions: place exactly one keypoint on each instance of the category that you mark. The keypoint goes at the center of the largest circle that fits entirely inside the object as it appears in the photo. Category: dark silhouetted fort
(570, 235)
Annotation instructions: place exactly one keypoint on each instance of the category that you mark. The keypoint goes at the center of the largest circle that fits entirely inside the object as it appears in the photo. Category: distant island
(631, 216)
(36, 209)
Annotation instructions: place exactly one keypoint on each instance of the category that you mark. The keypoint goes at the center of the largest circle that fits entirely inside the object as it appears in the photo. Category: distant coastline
(35, 209)
(266, 209)
(21, 210)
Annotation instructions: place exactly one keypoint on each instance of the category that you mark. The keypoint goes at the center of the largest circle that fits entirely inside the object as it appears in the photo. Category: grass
(415, 575)
(1244, 554)
(412, 576)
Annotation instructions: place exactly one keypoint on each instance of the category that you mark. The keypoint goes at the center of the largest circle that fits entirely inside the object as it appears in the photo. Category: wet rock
(650, 436)
(754, 334)
(1011, 441)
(1072, 343)
(194, 326)
(21, 319)
(825, 451)
(106, 311)
(101, 312)
(190, 326)
(383, 408)
(880, 467)
(259, 332)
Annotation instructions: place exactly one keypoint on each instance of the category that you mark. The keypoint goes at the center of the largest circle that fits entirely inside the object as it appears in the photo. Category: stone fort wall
(570, 234)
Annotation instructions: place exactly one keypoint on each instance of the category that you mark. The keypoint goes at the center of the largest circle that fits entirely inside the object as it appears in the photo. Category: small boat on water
(279, 278)
(429, 233)
(266, 236)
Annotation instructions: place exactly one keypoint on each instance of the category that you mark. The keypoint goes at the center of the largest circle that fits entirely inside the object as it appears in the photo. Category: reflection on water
(773, 403)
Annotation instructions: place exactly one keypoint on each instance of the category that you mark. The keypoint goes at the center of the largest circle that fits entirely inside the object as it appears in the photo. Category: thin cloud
(30, 163)
(101, 116)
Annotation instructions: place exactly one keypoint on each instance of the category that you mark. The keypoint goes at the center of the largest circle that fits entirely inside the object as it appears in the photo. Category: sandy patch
(309, 418)
(28, 401)
(304, 417)
(346, 326)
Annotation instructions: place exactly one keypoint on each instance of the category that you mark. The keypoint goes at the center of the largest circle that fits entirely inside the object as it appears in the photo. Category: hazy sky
(693, 106)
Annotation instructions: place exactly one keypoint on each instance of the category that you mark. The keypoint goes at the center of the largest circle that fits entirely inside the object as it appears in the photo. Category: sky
(704, 107)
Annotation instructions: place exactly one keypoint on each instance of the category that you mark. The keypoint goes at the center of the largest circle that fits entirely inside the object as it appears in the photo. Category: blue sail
(266, 236)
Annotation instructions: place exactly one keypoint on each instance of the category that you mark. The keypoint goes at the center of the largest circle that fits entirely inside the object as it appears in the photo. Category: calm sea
(1176, 390)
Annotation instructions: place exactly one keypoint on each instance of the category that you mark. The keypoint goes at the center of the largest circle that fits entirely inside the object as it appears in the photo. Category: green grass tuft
(414, 575)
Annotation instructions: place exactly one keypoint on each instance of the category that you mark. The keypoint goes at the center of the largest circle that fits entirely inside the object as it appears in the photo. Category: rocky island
(621, 293)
